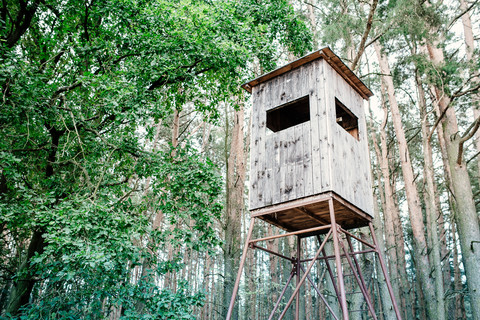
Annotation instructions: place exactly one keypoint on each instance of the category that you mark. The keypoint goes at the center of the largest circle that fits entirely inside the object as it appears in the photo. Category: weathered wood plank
(269, 169)
(257, 97)
(277, 147)
(307, 159)
(313, 157)
(324, 125)
(299, 170)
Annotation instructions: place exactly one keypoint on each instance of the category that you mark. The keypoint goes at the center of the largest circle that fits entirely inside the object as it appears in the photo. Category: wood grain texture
(313, 157)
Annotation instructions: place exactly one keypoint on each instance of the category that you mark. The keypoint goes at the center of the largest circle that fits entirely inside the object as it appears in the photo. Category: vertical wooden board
(341, 178)
(307, 160)
(327, 110)
(284, 88)
(290, 166)
(277, 147)
(269, 169)
(258, 147)
(316, 102)
(257, 97)
(262, 121)
(299, 187)
(283, 149)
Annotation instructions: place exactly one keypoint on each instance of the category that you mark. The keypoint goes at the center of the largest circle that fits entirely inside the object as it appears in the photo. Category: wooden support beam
(311, 215)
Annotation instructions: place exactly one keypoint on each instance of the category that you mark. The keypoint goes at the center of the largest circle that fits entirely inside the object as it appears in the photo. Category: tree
(81, 82)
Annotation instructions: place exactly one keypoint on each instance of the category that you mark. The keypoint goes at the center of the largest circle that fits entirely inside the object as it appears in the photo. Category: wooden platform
(313, 212)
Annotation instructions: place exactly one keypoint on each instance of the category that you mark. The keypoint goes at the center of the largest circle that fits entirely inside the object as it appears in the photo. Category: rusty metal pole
(321, 296)
(302, 280)
(385, 273)
(357, 273)
(297, 266)
(292, 273)
(330, 272)
(338, 261)
(240, 269)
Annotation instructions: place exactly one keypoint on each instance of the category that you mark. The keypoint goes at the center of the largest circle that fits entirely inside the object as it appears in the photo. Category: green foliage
(81, 83)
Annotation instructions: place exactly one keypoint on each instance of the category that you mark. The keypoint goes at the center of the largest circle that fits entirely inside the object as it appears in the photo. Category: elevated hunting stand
(310, 171)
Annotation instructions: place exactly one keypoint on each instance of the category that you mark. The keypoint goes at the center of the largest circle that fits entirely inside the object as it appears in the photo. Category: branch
(462, 93)
(22, 23)
(429, 138)
(66, 88)
(474, 156)
(166, 80)
(361, 47)
(461, 14)
(467, 135)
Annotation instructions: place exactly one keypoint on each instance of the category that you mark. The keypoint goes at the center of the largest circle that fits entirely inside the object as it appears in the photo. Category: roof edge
(330, 57)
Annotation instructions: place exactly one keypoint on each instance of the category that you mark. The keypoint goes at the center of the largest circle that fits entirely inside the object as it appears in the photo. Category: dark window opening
(289, 114)
(346, 119)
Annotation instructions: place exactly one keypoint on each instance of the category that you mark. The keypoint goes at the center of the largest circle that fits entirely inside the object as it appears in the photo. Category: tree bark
(466, 219)
(236, 169)
(431, 205)
(22, 288)
(469, 48)
(413, 199)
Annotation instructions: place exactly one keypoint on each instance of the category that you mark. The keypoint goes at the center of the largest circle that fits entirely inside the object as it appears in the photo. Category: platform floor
(313, 211)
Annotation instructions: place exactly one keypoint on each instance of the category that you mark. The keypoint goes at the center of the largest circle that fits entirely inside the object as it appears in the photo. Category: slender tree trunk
(387, 305)
(413, 199)
(457, 276)
(236, 170)
(23, 286)
(389, 210)
(466, 219)
(432, 210)
(272, 245)
(470, 47)
(394, 232)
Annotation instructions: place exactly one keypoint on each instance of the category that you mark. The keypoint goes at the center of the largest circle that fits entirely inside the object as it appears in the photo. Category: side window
(346, 119)
(289, 114)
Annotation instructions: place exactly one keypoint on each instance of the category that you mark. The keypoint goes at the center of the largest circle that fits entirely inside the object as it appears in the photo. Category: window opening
(346, 119)
(289, 114)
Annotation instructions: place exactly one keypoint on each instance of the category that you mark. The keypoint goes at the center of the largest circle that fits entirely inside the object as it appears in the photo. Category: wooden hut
(309, 144)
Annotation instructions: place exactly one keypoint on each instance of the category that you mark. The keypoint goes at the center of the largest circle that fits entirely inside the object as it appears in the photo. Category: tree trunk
(22, 288)
(390, 208)
(431, 205)
(236, 170)
(387, 305)
(466, 219)
(470, 47)
(413, 199)
(457, 276)
(20, 292)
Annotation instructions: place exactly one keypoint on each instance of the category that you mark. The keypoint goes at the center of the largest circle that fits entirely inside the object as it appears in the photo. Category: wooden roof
(331, 58)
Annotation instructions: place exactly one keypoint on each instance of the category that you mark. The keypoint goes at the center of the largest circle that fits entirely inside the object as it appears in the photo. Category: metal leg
(302, 280)
(361, 284)
(240, 269)
(338, 261)
(385, 273)
(330, 272)
(321, 295)
(282, 294)
(297, 299)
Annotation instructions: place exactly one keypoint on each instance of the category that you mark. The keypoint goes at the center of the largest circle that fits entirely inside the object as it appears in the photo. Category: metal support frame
(334, 231)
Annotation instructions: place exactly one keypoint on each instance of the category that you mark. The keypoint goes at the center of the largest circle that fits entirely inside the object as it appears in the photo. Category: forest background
(124, 151)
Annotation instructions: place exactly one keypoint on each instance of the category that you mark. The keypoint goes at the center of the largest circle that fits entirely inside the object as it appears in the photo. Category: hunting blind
(310, 176)
(309, 141)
